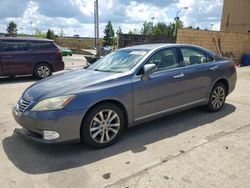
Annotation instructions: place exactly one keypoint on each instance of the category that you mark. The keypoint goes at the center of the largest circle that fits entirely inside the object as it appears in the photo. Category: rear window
(13, 46)
(42, 45)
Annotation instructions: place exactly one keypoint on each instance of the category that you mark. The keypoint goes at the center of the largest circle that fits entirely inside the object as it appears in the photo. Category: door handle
(178, 75)
(214, 68)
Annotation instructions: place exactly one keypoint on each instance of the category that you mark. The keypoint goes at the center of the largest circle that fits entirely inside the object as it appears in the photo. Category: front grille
(23, 104)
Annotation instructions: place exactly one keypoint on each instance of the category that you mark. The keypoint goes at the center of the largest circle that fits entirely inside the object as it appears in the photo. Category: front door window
(165, 59)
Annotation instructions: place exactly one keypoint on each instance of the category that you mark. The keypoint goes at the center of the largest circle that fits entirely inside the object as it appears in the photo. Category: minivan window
(192, 56)
(38, 45)
(10, 46)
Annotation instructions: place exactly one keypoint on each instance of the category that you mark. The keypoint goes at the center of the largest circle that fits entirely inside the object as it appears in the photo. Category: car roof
(156, 46)
(24, 38)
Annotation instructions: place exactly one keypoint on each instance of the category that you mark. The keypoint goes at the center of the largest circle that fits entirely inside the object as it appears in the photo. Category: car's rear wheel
(217, 97)
(103, 125)
(42, 70)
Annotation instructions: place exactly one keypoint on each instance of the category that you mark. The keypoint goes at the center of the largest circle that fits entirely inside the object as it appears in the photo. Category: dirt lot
(189, 149)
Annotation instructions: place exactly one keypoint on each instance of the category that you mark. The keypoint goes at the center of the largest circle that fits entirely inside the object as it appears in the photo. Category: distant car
(127, 87)
(106, 50)
(77, 36)
(65, 51)
(22, 56)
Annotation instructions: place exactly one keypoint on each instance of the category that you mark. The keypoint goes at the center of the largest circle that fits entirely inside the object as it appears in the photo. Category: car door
(164, 90)
(15, 58)
(200, 73)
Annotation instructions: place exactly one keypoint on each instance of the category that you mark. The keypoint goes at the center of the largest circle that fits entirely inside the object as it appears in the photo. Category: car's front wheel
(217, 97)
(103, 125)
(42, 70)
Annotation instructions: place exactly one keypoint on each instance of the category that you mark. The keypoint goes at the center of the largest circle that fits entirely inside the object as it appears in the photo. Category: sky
(77, 16)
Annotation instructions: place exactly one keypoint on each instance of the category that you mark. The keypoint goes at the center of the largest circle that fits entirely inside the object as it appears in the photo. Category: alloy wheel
(218, 97)
(105, 126)
(43, 71)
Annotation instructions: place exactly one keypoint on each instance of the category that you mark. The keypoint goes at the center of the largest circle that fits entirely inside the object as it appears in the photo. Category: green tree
(130, 32)
(39, 34)
(109, 34)
(162, 28)
(119, 30)
(179, 24)
(50, 34)
(171, 28)
(12, 28)
(147, 28)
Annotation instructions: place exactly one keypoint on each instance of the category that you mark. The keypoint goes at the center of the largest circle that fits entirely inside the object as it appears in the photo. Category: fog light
(50, 135)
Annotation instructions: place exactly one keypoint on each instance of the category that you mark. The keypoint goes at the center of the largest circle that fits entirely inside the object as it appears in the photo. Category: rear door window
(14, 46)
(193, 56)
(42, 45)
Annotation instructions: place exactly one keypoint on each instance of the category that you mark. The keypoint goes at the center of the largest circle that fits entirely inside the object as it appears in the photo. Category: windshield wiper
(102, 70)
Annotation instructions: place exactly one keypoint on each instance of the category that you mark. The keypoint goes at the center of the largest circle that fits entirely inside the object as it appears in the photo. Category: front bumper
(66, 124)
(232, 82)
(58, 66)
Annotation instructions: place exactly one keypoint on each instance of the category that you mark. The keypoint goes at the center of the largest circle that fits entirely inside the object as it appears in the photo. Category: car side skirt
(170, 111)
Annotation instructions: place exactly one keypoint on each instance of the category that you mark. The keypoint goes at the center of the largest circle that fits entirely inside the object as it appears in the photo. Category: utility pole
(177, 18)
(95, 22)
(31, 28)
(96, 19)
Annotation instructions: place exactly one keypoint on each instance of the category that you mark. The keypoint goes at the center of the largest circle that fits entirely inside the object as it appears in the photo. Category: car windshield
(118, 61)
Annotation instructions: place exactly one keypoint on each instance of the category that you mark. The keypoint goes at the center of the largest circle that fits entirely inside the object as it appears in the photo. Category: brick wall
(230, 44)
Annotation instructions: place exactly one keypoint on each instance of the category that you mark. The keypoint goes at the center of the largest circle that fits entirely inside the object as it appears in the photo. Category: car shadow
(36, 158)
(16, 80)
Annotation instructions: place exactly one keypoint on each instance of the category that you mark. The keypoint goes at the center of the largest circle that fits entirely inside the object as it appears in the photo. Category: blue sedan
(127, 87)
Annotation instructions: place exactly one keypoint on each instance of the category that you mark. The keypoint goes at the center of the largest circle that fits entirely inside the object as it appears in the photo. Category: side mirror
(147, 70)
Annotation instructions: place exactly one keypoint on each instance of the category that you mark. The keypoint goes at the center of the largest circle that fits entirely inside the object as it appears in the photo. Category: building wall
(236, 16)
(230, 44)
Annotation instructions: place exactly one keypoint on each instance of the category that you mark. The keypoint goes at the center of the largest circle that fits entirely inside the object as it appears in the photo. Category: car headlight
(54, 103)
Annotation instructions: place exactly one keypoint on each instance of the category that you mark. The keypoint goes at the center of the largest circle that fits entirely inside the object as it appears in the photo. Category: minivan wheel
(42, 70)
(103, 125)
(217, 97)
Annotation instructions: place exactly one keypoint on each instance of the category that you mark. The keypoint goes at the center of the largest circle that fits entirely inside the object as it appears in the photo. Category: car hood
(67, 83)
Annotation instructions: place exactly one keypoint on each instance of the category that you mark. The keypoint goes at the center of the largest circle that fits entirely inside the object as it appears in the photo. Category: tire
(42, 70)
(97, 131)
(217, 97)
